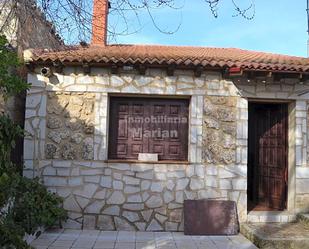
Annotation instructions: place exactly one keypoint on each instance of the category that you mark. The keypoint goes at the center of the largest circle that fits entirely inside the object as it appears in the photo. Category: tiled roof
(175, 55)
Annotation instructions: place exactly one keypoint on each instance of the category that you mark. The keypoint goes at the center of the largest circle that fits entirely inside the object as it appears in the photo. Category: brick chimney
(99, 22)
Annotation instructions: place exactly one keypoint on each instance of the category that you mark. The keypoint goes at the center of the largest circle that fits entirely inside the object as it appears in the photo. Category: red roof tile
(175, 55)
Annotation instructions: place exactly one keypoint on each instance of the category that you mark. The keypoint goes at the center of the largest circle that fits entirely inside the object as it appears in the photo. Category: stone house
(126, 133)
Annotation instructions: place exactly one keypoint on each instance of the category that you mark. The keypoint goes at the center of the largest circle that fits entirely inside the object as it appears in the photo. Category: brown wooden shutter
(130, 132)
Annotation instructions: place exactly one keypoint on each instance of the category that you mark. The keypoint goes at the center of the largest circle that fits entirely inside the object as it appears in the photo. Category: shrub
(25, 204)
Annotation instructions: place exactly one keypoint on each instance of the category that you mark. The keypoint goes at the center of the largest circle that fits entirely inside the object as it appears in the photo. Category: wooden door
(267, 164)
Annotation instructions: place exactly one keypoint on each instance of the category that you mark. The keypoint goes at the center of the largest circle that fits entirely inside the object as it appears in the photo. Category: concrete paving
(93, 239)
(293, 235)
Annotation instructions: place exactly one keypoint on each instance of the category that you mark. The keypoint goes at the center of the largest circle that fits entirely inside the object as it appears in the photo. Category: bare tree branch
(72, 18)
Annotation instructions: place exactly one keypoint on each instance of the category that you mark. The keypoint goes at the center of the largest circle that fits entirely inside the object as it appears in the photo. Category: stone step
(303, 218)
(277, 235)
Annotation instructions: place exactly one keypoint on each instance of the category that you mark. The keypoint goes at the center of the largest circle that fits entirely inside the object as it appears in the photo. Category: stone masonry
(70, 126)
(145, 196)
(219, 145)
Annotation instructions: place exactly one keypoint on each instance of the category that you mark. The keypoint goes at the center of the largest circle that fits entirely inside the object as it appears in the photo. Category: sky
(279, 26)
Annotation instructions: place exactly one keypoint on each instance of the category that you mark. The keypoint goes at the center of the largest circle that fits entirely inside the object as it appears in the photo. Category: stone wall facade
(148, 196)
(302, 172)
(219, 141)
(70, 126)
(124, 196)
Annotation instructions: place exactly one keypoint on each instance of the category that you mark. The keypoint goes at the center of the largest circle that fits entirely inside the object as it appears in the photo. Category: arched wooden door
(268, 157)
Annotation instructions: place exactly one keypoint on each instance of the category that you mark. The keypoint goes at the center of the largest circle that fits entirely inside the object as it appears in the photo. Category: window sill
(146, 162)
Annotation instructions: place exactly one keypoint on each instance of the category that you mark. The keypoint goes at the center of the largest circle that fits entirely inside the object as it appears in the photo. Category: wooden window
(148, 125)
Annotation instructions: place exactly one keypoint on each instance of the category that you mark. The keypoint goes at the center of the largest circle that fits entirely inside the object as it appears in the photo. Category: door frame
(291, 150)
